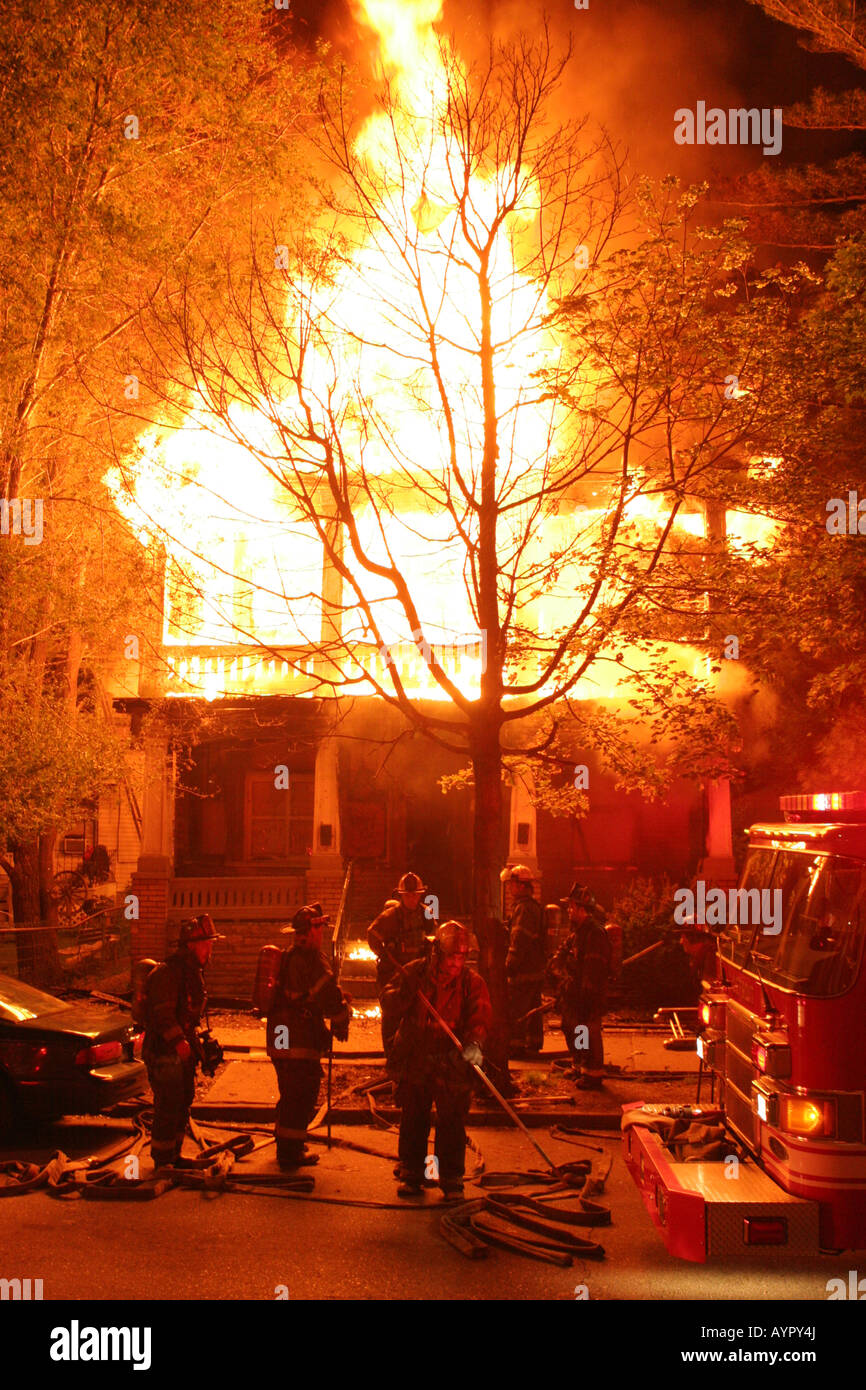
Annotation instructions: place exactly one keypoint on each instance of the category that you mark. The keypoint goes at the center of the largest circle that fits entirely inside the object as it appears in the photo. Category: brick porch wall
(232, 969)
(149, 935)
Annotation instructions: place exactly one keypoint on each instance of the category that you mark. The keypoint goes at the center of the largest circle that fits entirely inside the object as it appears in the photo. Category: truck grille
(740, 1027)
(740, 1115)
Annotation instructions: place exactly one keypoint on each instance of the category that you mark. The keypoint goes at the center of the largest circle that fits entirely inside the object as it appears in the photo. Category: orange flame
(243, 568)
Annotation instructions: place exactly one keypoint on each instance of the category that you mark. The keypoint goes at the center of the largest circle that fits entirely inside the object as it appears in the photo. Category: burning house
(340, 517)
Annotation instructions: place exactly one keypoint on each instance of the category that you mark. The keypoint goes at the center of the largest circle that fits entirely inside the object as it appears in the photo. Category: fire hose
(475, 1226)
(512, 1221)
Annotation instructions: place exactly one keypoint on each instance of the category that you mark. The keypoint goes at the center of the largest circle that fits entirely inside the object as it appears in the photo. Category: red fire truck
(783, 1037)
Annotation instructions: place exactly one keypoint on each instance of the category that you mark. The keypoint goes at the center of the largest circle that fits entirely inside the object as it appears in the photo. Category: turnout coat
(176, 999)
(581, 968)
(422, 1050)
(306, 994)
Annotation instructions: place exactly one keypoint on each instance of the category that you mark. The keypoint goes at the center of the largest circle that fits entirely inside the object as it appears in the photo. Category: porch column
(521, 829)
(151, 881)
(325, 876)
(718, 865)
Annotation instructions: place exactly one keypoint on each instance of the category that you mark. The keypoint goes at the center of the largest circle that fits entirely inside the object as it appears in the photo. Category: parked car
(58, 1058)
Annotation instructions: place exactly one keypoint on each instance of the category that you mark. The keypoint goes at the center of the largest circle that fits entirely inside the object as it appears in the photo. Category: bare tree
(495, 357)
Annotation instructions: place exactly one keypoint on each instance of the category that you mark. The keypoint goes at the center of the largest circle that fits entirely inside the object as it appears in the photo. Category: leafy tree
(129, 136)
(807, 207)
(799, 605)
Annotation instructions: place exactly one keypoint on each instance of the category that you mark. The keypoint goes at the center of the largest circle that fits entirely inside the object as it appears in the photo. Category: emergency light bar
(824, 806)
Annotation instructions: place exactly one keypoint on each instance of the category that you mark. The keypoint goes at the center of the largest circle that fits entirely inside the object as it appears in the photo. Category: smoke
(635, 63)
(633, 66)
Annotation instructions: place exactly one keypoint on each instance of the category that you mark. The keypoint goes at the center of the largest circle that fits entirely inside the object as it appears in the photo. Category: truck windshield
(818, 950)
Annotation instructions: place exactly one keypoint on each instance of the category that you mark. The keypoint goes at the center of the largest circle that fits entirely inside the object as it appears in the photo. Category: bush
(645, 912)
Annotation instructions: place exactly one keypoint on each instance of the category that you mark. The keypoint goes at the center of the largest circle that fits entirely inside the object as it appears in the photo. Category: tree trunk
(485, 737)
(37, 952)
(47, 951)
(25, 904)
(488, 858)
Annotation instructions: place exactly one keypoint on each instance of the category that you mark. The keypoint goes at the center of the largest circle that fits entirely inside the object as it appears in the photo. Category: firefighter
(701, 950)
(175, 1001)
(580, 970)
(401, 933)
(297, 1037)
(429, 1068)
(525, 962)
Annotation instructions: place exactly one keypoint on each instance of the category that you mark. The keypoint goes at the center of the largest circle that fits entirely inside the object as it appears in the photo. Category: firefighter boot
(586, 1082)
(452, 1192)
(411, 1184)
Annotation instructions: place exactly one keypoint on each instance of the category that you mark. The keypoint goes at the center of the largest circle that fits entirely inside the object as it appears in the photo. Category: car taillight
(705, 1014)
(799, 1115)
(24, 1059)
(99, 1054)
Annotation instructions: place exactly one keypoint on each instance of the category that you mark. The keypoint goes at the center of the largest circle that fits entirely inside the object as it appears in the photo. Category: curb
(533, 1119)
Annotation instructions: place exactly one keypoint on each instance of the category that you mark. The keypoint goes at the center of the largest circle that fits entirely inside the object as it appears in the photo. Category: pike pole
(330, 1075)
(546, 1008)
(645, 952)
(509, 1110)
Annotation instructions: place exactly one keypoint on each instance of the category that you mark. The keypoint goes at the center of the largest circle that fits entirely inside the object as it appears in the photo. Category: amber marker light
(806, 1117)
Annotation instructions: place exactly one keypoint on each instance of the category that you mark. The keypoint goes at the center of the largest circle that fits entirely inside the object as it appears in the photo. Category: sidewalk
(638, 1068)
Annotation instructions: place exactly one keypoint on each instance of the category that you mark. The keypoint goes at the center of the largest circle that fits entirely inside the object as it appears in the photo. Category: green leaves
(51, 759)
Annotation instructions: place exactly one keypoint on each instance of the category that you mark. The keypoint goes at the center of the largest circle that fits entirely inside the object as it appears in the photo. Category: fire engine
(782, 1042)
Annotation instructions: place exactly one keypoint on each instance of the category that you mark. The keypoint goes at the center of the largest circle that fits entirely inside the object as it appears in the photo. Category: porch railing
(248, 899)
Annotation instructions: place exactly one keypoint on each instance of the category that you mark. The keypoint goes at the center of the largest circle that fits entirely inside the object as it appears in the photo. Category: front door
(277, 820)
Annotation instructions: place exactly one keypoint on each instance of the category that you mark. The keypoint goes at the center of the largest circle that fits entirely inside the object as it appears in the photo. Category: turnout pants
(452, 1107)
(173, 1084)
(583, 1038)
(389, 1027)
(524, 996)
(299, 1079)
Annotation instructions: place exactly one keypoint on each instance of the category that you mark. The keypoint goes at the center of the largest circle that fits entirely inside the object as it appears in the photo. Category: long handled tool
(539, 1009)
(497, 1095)
(645, 952)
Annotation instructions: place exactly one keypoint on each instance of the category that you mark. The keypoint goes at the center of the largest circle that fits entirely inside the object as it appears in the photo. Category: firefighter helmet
(517, 872)
(450, 938)
(306, 918)
(411, 883)
(584, 897)
(198, 929)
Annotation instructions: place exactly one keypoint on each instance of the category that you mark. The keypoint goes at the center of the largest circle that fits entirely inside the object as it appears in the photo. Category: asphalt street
(190, 1245)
